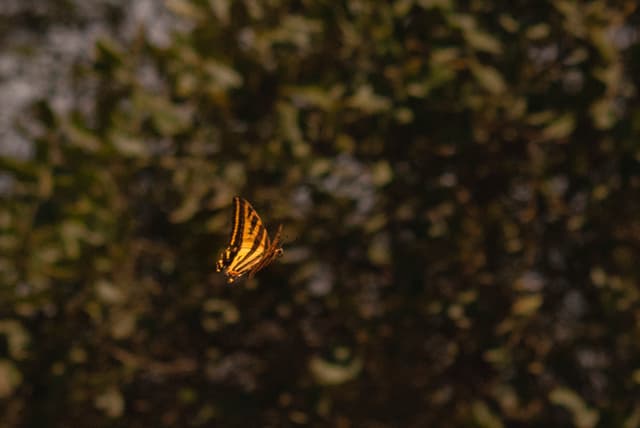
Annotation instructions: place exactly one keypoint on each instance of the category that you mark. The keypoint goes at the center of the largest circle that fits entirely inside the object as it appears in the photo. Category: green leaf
(325, 99)
(186, 9)
(603, 113)
(128, 145)
(489, 78)
(367, 101)
(80, 136)
(583, 417)
(327, 372)
(435, 4)
(484, 42)
(560, 128)
(382, 173)
(221, 76)
(16, 337)
(111, 402)
(527, 305)
(484, 417)
(109, 54)
(538, 31)
(10, 378)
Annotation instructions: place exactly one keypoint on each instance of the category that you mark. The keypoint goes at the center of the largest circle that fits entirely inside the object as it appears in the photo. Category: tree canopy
(458, 183)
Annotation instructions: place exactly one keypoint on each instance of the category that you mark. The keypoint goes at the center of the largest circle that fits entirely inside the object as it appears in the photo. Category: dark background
(458, 184)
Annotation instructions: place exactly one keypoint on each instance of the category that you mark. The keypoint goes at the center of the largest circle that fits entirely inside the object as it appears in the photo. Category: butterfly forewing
(238, 221)
(250, 248)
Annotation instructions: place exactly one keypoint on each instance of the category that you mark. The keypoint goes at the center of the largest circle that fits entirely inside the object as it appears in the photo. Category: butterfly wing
(270, 254)
(248, 243)
(236, 235)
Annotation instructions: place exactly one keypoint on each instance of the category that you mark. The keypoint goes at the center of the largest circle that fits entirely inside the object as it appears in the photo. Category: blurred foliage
(458, 185)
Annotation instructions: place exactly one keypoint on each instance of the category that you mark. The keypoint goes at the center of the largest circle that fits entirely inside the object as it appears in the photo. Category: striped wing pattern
(250, 248)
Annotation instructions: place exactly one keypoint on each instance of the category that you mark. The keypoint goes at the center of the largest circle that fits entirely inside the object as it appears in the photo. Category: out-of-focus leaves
(222, 77)
(218, 313)
(108, 292)
(583, 416)
(633, 421)
(476, 38)
(187, 9)
(110, 402)
(168, 118)
(484, 417)
(382, 173)
(367, 101)
(538, 31)
(489, 78)
(122, 324)
(603, 114)
(291, 131)
(526, 305)
(81, 137)
(10, 378)
(432, 4)
(464, 261)
(310, 96)
(379, 251)
(222, 10)
(108, 54)
(16, 338)
(342, 367)
(128, 145)
(560, 127)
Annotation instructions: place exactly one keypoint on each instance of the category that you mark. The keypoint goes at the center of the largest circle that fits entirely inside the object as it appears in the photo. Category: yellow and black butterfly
(250, 248)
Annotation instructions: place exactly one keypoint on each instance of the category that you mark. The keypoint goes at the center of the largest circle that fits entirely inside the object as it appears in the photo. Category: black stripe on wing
(253, 222)
(237, 229)
(272, 252)
(259, 243)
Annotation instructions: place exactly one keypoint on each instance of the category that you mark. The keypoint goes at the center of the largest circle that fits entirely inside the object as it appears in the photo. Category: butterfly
(250, 248)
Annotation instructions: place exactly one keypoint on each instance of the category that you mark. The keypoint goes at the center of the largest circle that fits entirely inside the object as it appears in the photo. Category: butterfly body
(250, 248)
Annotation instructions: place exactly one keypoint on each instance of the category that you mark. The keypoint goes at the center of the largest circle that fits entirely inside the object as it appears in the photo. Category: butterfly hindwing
(250, 248)
(272, 252)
